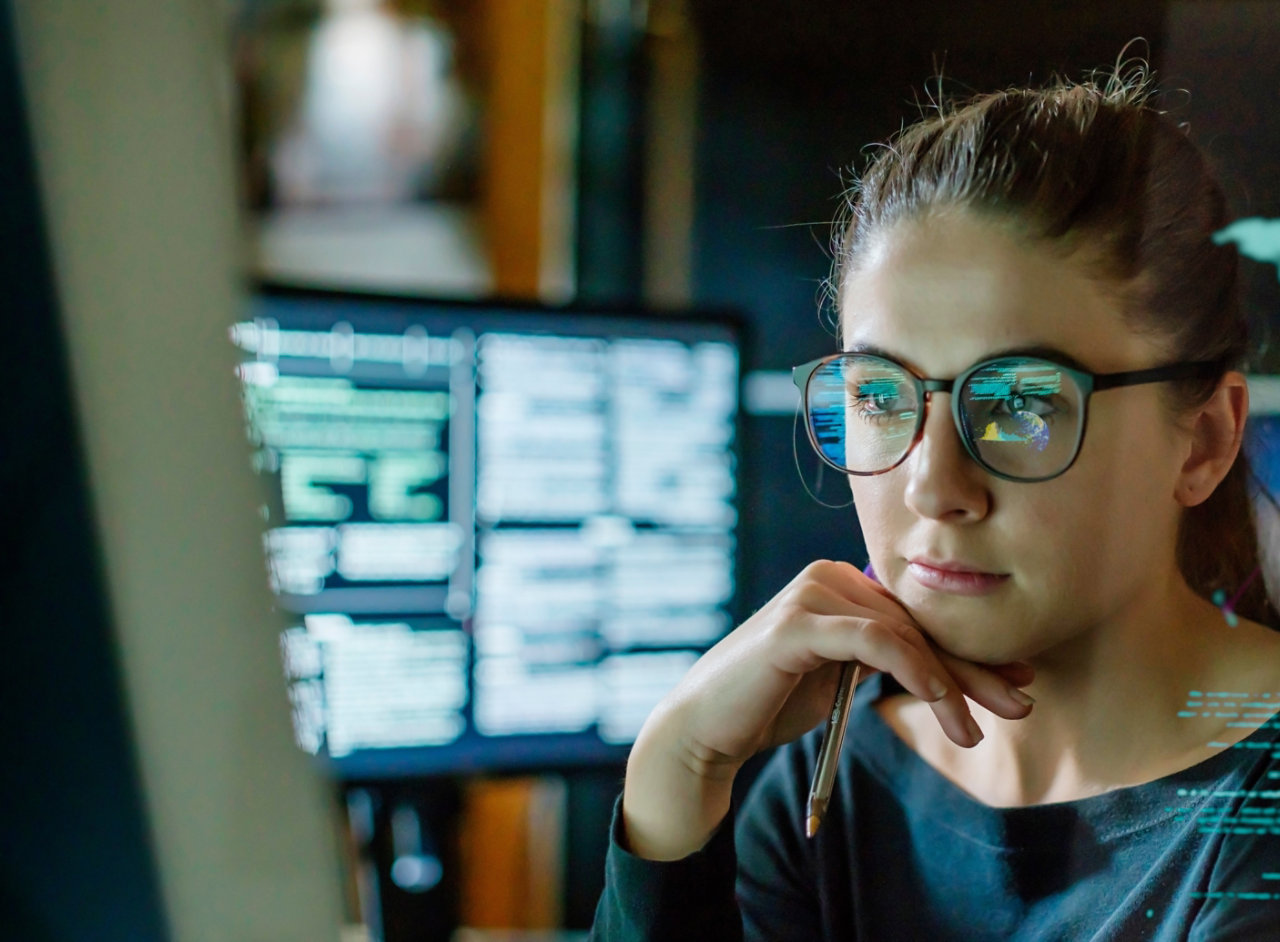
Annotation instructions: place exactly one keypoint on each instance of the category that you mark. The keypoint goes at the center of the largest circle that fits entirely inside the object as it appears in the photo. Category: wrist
(675, 795)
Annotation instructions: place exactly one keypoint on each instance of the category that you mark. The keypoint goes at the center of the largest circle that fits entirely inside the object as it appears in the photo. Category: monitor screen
(502, 532)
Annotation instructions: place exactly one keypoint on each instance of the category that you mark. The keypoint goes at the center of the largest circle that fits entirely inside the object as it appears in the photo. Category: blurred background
(332, 593)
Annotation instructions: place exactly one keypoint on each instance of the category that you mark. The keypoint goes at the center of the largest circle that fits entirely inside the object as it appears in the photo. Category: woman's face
(1066, 554)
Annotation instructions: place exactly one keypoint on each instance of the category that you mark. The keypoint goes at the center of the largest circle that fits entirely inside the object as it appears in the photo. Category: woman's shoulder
(1239, 697)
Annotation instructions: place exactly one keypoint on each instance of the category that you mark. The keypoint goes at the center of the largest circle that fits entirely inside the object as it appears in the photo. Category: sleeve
(778, 886)
(753, 881)
(1242, 899)
(691, 898)
(1242, 903)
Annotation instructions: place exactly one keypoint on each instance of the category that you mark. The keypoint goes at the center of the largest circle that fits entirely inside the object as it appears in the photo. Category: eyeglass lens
(1021, 417)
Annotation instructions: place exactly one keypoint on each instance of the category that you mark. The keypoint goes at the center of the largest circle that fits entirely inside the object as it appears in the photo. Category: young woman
(1059, 735)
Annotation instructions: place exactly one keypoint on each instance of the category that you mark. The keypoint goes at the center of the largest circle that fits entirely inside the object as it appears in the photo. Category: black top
(904, 854)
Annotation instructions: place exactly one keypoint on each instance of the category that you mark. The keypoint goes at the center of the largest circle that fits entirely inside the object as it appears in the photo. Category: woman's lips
(954, 578)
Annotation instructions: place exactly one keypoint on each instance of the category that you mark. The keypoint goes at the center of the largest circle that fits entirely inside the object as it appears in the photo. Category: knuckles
(823, 570)
(817, 603)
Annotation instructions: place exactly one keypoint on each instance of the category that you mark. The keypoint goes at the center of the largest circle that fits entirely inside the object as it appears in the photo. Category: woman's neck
(1111, 705)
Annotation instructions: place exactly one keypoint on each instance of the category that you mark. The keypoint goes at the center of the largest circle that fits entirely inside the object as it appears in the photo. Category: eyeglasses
(1021, 418)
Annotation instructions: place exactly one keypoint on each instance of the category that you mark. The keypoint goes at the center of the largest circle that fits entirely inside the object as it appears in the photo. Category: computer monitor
(502, 532)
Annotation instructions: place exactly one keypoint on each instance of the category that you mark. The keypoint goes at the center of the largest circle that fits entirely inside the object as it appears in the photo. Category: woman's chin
(987, 642)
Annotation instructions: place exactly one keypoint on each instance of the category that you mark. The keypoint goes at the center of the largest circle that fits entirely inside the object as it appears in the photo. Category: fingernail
(937, 688)
(1023, 698)
(975, 733)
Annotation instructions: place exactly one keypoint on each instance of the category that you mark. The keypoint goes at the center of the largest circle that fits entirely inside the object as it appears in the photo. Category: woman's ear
(1217, 432)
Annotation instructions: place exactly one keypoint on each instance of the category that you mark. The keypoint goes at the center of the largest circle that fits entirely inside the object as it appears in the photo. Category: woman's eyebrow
(1041, 350)
(872, 350)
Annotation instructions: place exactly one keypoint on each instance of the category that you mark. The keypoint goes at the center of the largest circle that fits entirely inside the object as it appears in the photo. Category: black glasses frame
(1089, 383)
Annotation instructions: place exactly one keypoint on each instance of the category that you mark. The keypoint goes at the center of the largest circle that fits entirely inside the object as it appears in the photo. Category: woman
(1008, 268)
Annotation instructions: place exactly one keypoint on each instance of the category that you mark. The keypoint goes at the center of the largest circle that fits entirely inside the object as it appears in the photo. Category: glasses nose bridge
(929, 387)
(938, 385)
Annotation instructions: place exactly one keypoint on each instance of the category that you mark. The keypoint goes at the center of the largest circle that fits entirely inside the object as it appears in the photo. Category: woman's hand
(771, 680)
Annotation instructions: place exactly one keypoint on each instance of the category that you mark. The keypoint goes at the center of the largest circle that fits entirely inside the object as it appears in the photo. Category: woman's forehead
(949, 290)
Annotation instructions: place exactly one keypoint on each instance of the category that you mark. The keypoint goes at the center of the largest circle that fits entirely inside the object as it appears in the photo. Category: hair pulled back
(1096, 173)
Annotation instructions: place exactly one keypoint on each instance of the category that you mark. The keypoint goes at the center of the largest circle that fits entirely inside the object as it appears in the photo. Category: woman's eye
(877, 404)
(1042, 406)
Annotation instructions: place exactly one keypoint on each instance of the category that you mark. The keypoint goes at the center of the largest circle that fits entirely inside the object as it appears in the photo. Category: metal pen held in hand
(824, 773)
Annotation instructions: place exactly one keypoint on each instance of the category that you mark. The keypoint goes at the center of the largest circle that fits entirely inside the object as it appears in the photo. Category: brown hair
(1097, 173)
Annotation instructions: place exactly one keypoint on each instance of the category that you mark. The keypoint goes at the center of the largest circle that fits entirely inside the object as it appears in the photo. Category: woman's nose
(943, 482)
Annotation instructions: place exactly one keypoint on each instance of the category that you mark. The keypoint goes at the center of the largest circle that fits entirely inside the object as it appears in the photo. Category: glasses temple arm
(1159, 374)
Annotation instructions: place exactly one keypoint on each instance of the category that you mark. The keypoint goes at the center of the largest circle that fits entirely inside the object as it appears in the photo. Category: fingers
(858, 619)
(881, 646)
(1018, 673)
(990, 688)
(995, 688)
(941, 681)
(952, 710)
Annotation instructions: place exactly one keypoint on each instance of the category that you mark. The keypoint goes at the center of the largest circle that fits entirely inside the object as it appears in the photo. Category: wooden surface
(528, 160)
(511, 836)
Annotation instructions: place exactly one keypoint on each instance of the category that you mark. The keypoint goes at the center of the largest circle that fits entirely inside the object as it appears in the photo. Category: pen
(824, 773)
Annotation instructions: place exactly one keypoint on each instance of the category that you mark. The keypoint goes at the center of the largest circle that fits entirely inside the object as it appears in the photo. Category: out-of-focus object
(1256, 237)
(382, 110)
(503, 532)
(1262, 444)
(512, 862)
(135, 163)
(424, 146)
(362, 105)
